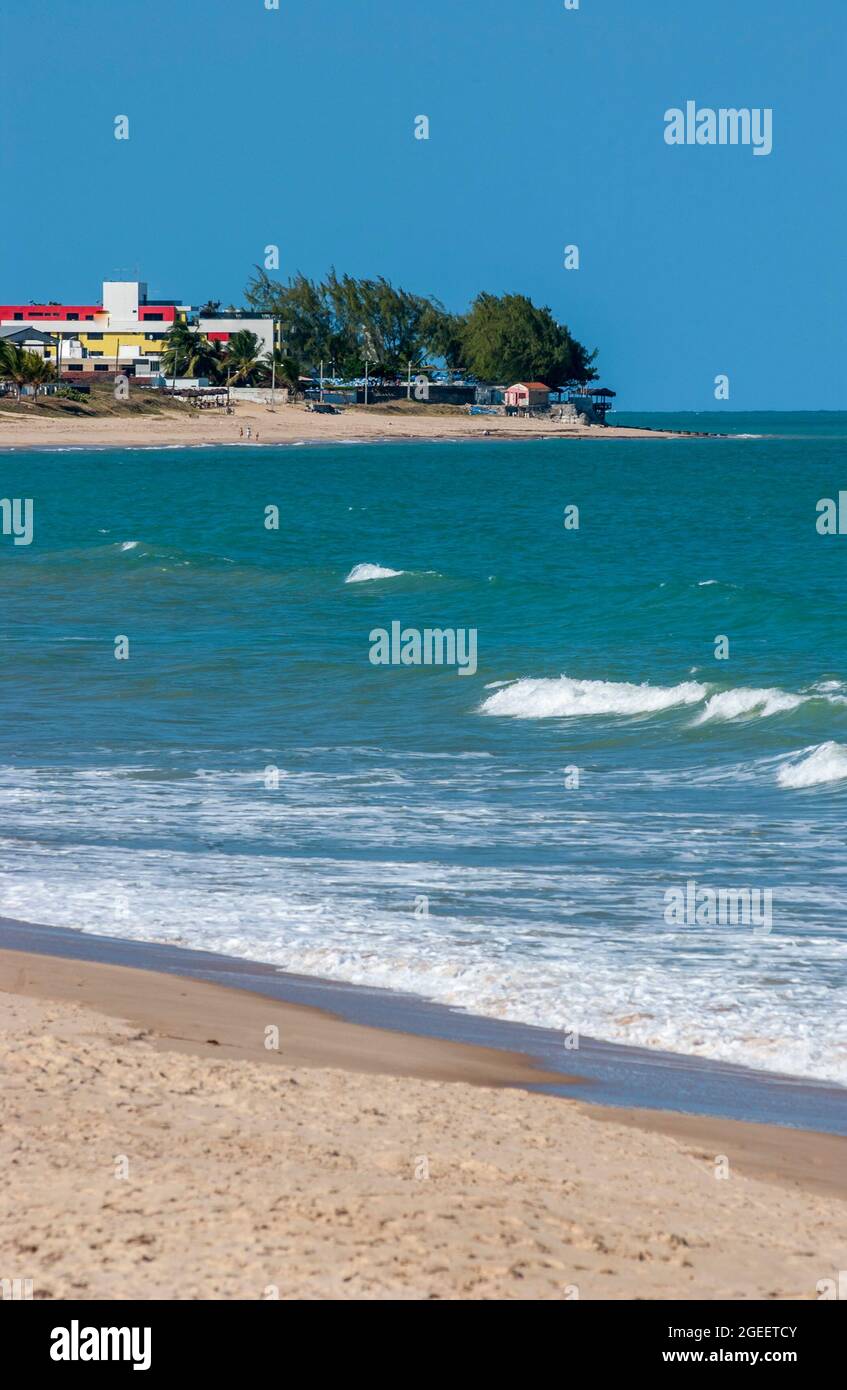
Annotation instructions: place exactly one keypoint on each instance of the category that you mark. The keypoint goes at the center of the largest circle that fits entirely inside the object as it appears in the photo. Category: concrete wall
(121, 298)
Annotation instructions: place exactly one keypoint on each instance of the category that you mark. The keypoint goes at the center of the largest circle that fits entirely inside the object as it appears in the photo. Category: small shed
(528, 395)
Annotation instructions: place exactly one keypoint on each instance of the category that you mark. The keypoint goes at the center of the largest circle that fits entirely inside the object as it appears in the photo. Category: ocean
(507, 840)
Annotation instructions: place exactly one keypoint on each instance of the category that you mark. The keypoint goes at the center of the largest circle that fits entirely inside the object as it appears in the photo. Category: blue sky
(296, 127)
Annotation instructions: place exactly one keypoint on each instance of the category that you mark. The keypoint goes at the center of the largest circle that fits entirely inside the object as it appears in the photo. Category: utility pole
(366, 381)
(322, 382)
(273, 365)
(409, 384)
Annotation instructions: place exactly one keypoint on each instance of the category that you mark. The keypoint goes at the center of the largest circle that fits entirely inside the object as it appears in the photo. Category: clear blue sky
(295, 127)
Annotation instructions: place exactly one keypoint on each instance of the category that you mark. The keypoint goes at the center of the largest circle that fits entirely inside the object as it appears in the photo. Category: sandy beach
(155, 1147)
(284, 425)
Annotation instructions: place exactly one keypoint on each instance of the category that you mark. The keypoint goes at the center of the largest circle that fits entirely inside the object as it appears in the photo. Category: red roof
(531, 385)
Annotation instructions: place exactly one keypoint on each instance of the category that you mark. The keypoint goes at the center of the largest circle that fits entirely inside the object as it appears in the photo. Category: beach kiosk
(527, 395)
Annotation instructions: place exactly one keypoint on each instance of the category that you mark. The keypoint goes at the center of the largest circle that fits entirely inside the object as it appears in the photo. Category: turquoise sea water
(248, 781)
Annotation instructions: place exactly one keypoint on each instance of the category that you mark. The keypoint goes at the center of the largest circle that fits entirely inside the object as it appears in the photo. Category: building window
(18, 316)
(101, 366)
(73, 367)
(158, 317)
(95, 337)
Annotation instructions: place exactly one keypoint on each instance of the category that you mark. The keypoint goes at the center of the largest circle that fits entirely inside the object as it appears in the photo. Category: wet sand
(156, 1145)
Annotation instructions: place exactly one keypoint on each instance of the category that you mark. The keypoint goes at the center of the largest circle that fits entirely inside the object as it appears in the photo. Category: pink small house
(527, 395)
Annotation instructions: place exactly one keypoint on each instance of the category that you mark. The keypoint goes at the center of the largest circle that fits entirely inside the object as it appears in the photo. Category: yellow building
(126, 331)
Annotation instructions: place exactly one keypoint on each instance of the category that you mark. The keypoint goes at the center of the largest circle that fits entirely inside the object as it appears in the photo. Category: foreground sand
(286, 424)
(147, 1158)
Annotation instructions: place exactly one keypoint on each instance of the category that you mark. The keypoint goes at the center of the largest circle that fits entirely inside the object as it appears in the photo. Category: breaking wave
(360, 573)
(563, 698)
(825, 763)
(745, 703)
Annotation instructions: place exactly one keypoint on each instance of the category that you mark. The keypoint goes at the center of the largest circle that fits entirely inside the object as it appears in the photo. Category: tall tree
(345, 320)
(507, 338)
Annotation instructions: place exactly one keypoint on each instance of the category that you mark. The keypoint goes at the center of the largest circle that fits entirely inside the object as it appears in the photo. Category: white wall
(121, 298)
(263, 328)
(261, 394)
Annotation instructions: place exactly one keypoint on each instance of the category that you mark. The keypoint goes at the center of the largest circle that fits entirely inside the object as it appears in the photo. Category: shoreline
(292, 425)
(619, 1078)
(155, 1147)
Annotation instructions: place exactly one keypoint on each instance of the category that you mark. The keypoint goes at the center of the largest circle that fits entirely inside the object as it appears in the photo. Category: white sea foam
(770, 1004)
(744, 703)
(275, 917)
(564, 698)
(129, 545)
(825, 763)
(360, 573)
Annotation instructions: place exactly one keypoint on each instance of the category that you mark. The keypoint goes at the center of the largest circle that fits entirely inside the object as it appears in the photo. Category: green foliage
(22, 367)
(243, 363)
(508, 339)
(343, 321)
(287, 370)
(67, 393)
(189, 353)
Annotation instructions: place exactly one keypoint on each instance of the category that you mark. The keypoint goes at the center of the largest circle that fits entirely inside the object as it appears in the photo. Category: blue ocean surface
(249, 781)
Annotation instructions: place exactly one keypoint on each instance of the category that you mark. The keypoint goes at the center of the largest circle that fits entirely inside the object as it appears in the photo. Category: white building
(220, 330)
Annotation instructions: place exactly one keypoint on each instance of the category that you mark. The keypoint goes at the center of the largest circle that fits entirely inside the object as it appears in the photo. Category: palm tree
(38, 371)
(5, 359)
(242, 358)
(189, 353)
(287, 369)
(14, 364)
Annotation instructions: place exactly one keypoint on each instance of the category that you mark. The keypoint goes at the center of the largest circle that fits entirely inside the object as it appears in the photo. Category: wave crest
(744, 703)
(825, 763)
(563, 697)
(360, 573)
